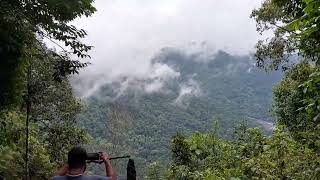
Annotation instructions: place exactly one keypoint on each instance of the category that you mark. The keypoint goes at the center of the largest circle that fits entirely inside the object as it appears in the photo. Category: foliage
(53, 129)
(311, 108)
(288, 96)
(22, 26)
(54, 116)
(311, 99)
(292, 151)
(296, 106)
(254, 157)
(153, 172)
(296, 26)
(229, 93)
(12, 148)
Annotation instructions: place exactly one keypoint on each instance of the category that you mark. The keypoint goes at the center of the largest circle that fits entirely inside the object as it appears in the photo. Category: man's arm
(108, 166)
(63, 170)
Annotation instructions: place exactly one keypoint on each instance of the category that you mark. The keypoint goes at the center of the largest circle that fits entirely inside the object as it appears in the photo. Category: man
(76, 167)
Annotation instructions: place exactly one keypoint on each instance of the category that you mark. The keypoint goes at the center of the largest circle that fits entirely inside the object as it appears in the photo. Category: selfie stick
(112, 158)
(119, 157)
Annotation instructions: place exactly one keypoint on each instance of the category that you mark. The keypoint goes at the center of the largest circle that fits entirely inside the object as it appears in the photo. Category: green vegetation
(292, 151)
(52, 126)
(229, 94)
(22, 26)
(251, 155)
(34, 85)
(296, 30)
(222, 90)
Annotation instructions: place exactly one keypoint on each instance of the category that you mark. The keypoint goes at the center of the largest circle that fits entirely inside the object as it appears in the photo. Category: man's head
(77, 158)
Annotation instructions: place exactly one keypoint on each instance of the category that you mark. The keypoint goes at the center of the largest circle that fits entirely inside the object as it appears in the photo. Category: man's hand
(109, 170)
(104, 156)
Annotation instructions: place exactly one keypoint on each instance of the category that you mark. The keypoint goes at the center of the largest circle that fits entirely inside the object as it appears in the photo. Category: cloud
(86, 85)
(150, 82)
(162, 72)
(159, 75)
(126, 34)
(155, 86)
(187, 90)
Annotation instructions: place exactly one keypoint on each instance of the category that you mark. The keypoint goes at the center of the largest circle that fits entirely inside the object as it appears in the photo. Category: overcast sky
(127, 33)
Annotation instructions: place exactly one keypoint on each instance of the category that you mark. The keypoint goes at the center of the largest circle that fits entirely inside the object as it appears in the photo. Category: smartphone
(93, 157)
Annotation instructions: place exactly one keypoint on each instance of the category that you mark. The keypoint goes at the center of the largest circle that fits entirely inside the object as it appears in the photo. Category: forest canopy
(37, 106)
(41, 118)
(292, 151)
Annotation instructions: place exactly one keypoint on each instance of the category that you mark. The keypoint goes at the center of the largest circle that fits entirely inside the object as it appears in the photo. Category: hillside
(183, 93)
(186, 112)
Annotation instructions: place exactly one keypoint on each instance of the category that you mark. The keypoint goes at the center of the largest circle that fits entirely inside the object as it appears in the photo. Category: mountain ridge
(188, 95)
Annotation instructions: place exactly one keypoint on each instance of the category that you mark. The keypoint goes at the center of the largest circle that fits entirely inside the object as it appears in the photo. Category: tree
(23, 24)
(118, 125)
(296, 30)
(53, 129)
(153, 172)
(54, 116)
(288, 98)
(180, 151)
(252, 156)
(12, 149)
(292, 151)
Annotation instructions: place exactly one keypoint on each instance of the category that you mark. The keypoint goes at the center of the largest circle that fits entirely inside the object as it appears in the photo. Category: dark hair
(77, 157)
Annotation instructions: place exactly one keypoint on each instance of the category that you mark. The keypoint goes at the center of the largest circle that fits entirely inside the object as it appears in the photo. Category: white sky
(127, 33)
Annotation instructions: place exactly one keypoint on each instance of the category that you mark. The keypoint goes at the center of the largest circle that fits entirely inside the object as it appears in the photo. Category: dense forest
(224, 90)
(292, 150)
(206, 117)
(37, 107)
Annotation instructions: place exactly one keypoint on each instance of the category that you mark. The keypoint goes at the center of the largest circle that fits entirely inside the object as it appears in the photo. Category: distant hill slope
(185, 93)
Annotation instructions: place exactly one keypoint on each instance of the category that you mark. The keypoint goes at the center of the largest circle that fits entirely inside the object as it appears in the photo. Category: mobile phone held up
(93, 157)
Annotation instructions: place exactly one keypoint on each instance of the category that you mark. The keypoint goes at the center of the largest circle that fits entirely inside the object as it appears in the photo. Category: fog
(127, 34)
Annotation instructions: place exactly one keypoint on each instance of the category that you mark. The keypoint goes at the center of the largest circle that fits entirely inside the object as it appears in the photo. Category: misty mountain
(183, 92)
